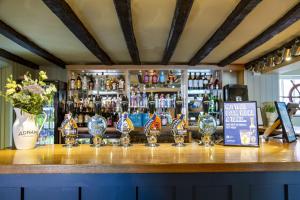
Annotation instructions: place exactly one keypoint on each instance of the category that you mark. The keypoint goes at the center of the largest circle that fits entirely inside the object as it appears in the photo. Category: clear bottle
(97, 84)
(73, 82)
(121, 85)
(84, 82)
(102, 82)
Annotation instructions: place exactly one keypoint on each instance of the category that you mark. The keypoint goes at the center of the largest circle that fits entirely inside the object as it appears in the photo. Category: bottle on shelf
(97, 84)
(151, 103)
(108, 83)
(140, 76)
(73, 82)
(121, 84)
(216, 81)
(162, 78)
(190, 82)
(146, 78)
(78, 83)
(84, 82)
(114, 84)
(205, 82)
(205, 103)
(154, 77)
(171, 77)
(91, 83)
(195, 82)
(178, 104)
(200, 81)
(102, 82)
(150, 76)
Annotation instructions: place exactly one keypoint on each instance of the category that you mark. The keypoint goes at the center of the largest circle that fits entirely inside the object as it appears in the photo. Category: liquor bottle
(156, 101)
(114, 84)
(140, 76)
(80, 120)
(205, 82)
(102, 82)
(154, 77)
(205, 103)
(84, 82)
(78, 83)
(108, 83)
(200, 81)
(151, 103)
(146, 77)
(171, 77)
(97, 85)
(195, 82)
(211, 82)
(145, 99)
(98, 105)
(164, 119)
(91, 84)
(162, 78)
(121, 84)
(72, 82)
(178, 104)
(190, 82)
(150, 76)
(138, 99)
(216, 82)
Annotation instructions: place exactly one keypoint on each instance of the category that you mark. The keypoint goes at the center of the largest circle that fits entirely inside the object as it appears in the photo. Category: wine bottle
(146, 78)
(205, 82)
(200, 81)
(97, 85)
(195, 82)
(190, 82)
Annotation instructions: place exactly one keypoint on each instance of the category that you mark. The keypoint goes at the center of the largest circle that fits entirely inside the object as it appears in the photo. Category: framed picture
(288, 132)
(240, 124)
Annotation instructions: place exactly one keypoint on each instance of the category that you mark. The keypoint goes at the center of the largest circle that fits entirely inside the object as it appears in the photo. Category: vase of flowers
(28, 99)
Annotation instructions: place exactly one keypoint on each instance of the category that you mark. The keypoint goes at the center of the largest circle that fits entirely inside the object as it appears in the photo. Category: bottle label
(195, 83)
(190, 83)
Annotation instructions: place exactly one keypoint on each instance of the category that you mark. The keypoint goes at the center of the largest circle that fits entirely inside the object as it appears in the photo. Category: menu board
(240, 124)
(287, 126)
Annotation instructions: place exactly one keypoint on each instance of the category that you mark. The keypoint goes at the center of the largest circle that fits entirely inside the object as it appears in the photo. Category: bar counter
(271, 156)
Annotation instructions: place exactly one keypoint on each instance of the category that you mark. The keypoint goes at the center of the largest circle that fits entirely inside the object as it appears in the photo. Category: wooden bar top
(271, 156)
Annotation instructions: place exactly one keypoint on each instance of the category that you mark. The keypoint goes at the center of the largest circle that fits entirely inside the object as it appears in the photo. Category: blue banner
(240, 124)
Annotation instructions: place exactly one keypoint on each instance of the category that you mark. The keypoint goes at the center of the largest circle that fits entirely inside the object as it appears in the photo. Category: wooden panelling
(46, 193)
(108, 193)
(213, 192)
(267, 192)
(293, 192)
(10, 193)
(157, 192)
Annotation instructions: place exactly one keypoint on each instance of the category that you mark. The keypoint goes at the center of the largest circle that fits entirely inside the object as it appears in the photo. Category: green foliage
(270, 108)
(31, 95)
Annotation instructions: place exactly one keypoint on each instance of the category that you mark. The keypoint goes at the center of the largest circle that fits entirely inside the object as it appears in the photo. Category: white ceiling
(151, 21)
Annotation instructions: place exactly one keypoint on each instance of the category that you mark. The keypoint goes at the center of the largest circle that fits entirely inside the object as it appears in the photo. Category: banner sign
(240, 124)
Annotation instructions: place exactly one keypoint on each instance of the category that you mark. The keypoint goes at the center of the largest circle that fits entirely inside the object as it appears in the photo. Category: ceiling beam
(23, 41)
(288, 19)
(231, 22)
(181, 14)
(123, 8)
(18, 59)
(65, 13)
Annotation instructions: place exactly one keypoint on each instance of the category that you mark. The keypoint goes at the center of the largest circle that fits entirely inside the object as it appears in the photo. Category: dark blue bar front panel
(192, 186)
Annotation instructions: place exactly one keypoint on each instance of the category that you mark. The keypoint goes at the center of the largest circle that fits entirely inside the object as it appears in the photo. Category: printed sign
(240, 124)
(288, 131)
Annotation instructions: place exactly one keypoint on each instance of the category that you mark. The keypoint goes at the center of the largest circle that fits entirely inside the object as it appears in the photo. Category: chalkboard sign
(288, 131)
(240, 124)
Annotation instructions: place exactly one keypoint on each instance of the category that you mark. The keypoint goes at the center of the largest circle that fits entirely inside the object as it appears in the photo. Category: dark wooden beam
(288, 19)
(23, 41)
(231, 22)
(181, 14)
(18, 59)
(65, 13)
(123, 8)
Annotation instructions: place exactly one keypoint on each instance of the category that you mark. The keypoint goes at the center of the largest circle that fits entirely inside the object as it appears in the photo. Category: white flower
(34, 89)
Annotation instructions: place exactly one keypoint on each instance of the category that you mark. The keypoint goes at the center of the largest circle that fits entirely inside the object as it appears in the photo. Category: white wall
(262, 88)
(55, 73)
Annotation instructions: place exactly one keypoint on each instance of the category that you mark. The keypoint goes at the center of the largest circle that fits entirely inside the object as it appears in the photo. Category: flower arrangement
(31, 95)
